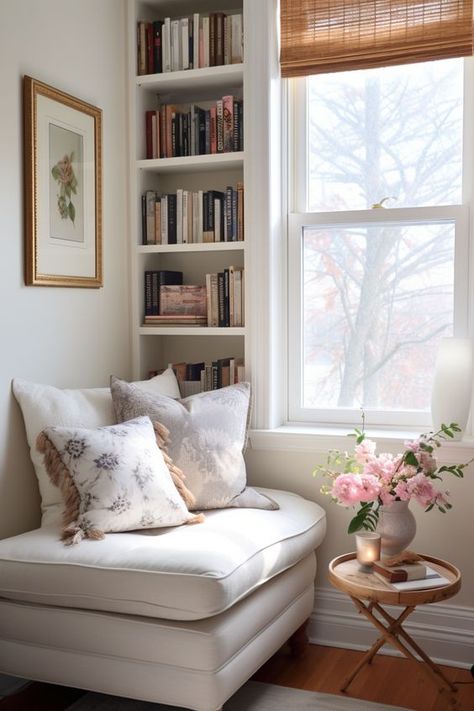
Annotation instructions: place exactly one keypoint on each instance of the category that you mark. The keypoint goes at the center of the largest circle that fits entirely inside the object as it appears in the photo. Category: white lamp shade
(452, 384)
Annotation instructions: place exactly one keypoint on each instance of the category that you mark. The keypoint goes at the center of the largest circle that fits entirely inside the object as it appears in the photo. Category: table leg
(390, 634)
(421, 653)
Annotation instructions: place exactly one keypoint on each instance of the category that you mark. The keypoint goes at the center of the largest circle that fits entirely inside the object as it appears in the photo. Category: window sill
(315, 439)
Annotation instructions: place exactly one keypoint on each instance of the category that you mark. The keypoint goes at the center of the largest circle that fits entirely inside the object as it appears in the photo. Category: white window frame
(298, 218)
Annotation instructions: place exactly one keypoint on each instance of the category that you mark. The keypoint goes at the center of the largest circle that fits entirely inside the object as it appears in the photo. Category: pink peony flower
(413, 445)
(371, 487)
(386, 497)
(364, 451)
(428, 462)
(402, 491)
(383, 467)
(422, 489)
(348, 489)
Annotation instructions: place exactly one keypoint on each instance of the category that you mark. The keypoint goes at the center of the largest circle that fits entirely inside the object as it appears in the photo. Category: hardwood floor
(389, 680)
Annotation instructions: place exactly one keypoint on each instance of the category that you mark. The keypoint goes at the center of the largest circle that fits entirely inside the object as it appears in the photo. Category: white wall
(64, 337)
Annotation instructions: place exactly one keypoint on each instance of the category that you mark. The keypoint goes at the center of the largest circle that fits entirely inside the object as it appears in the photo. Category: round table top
(345, 574)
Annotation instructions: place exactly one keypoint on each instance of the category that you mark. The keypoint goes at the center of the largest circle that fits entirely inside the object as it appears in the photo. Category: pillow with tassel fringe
(114, 478)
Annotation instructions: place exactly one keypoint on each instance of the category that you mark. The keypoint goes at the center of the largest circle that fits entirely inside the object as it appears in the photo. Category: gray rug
(254, 696)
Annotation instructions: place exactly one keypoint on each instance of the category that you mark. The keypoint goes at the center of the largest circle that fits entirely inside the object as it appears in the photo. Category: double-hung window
(378, 237)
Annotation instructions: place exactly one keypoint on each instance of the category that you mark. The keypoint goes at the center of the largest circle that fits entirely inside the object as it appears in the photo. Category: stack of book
(171, 45)
(180, 305)
(189, 130)
(188, 217)
(201, 377)
(414, 576)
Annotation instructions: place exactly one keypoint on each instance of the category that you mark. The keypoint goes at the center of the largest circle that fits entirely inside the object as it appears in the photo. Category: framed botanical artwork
(63, 188)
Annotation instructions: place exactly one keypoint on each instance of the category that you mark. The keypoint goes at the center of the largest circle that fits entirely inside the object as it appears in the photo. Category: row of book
(188, 217)
(202, 377)
(174, 130)
(171, 45)
(220, 303)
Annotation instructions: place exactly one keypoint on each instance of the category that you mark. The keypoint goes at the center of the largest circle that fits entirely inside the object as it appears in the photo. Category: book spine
(221, 298)
(213, 129)
(155, 294)
(172, 218)
(237, 49)
(234, 216)
(184, 43)
(227, 40)
(158, 221)
(235, 126)
(143, 216)
(147, 287)
(205, 40)
(175, 46)
(219, 38)
(141, 49)
(149, 134)
(164, 219)
(214, 301)
(226, 298)
(196, 64)
(149, 47)
(166, 42)
(207, 132)
(150, 216)
(157, 47)
(228, 123)
(179, 216)
(240, 211)
(212, 39)
(220, 125)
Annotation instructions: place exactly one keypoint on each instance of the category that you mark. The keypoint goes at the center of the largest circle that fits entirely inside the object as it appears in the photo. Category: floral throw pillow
(112, 479)
(206, 439)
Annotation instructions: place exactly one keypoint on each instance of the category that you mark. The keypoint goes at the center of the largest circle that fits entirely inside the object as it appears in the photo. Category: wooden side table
(369, 594)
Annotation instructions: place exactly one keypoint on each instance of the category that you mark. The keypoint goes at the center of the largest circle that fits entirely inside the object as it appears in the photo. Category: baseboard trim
(445, 632)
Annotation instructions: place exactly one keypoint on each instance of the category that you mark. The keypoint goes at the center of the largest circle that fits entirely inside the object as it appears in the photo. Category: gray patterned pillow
(207, 436)
(112, 479)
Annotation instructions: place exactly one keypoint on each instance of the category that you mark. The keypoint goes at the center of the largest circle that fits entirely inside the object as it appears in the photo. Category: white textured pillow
(207, 435)
(112, 479)
(45, 406)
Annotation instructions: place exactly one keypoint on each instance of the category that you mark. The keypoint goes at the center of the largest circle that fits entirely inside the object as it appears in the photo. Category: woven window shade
(336, 35)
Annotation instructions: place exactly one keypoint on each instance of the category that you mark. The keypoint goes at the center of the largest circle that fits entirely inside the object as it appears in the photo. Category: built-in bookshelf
(196, 95)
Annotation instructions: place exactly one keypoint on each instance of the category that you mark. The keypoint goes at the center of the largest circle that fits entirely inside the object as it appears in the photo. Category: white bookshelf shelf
(192, 247)
(190, 331)
(194, 164)
(225, 77)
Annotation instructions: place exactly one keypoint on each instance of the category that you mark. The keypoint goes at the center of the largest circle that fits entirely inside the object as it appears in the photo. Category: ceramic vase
(397, 527)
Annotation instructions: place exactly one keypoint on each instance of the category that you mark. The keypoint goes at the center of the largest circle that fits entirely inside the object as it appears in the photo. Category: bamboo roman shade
(336, 35)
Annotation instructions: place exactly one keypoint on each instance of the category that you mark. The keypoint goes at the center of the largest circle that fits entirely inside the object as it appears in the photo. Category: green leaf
(55, 172)
(428, 508)
(72, 212)
(411, 459)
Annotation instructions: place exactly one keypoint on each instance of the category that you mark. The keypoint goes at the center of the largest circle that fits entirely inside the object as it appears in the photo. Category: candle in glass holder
(368, 549)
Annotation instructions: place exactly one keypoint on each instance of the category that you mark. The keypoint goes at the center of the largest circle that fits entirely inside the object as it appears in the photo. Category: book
(400, 573)
(432, 579)
(185, 299)
(154, 280)
(175, 320)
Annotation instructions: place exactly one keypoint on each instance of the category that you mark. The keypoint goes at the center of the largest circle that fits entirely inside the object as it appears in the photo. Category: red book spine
(149, 134)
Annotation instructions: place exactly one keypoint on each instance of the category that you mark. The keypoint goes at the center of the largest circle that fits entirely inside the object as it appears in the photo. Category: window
(378, 238)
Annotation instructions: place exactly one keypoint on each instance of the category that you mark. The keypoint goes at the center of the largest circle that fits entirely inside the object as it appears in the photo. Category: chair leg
(299, 640)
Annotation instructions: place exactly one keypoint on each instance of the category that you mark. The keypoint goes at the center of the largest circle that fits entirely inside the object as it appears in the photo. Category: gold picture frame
(63, 188)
